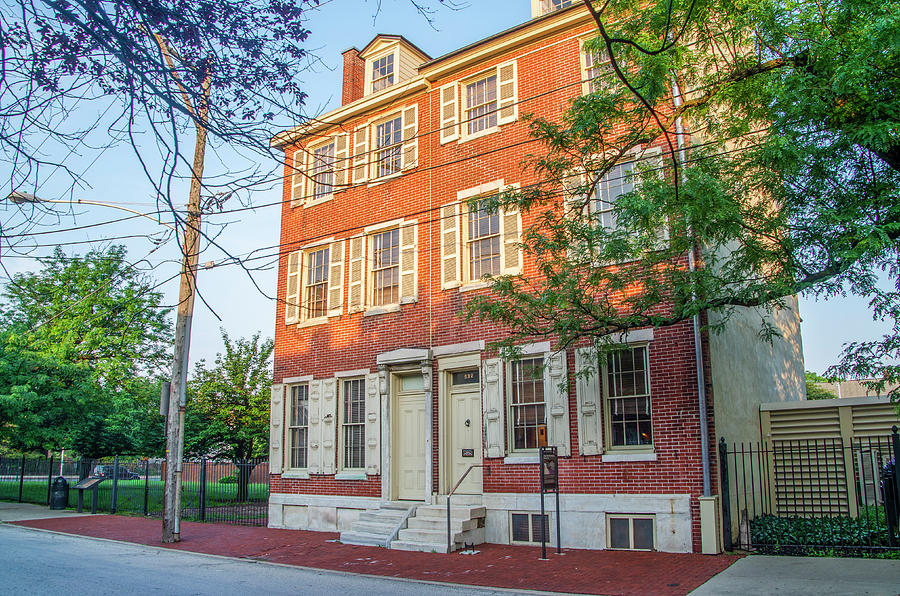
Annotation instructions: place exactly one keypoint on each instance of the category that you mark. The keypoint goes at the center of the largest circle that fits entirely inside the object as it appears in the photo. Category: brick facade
(548, 77)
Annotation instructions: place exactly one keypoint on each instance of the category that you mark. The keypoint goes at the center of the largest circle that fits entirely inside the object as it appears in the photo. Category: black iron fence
(811, 495)
(234, 492)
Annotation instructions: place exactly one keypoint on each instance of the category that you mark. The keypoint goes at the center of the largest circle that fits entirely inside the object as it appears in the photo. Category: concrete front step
(458, 500)
(363, 538)
(377, 516)
(433, 523)
(376, 527)
(435, 540)
(456, 512)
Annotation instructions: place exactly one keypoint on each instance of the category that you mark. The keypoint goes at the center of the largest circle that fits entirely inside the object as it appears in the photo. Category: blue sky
(115, 175)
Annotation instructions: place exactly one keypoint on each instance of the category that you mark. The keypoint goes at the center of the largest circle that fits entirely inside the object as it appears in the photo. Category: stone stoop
(427, 531)
(377, 527)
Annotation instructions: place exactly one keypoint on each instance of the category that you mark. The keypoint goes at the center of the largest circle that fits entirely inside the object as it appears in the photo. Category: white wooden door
(465, 432)
(408, 446)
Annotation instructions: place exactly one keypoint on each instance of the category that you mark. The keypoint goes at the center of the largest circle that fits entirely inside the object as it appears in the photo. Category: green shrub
(820, 535)
(232, 479)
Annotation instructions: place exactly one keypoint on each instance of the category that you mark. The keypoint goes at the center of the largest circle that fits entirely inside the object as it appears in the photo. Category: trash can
(59, 493)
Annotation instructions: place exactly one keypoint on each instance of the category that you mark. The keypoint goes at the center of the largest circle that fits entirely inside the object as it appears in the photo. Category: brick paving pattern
(516, 567)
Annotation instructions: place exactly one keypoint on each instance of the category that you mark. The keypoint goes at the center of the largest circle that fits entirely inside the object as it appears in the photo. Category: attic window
(551, 5)
(382, 72)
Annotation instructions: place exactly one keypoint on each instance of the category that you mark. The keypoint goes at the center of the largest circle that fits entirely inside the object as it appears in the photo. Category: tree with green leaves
(228, 405)
(779, 174)
(814, 389)
(99, 319)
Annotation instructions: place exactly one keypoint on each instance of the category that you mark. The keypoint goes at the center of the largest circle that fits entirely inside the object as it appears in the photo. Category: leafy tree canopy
(788, 181)
(816, 391)
(229, 401)
(97, 310)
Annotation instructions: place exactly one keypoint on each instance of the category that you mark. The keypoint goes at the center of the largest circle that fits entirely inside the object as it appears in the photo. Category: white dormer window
(382, 72)
(542, 7)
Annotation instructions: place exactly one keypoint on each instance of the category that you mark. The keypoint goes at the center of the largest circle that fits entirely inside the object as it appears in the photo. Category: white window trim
(508, 380)
(371, 307)
(462, 96)
(534, 539)
(309, 197)
(628, 451)
(305, 320)
(370, 61)
(631, 517)
(288, 471)
(374, 177)
(343, 472)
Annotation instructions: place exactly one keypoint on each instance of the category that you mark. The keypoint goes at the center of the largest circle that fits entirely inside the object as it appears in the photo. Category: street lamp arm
(24, 197)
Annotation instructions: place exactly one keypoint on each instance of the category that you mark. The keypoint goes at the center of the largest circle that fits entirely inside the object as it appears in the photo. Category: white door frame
(445, 367)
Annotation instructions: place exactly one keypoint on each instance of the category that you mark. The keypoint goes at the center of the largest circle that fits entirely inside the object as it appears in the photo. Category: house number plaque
(468, 453)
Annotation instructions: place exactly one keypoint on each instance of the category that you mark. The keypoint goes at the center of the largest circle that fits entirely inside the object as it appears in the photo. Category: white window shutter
(509, 101)
(336, 279)
(409, 157)
(510, 252)
(292, 294)
(276, 429)
(587, 399)
(492, 403)
(360, 154)
(341, 161)
(449, 113)
(557, 397)
(357, 274)
(373, 425)
(450, 246)
(314, 461)
(329, 424)
(409, 286)
(298, 177)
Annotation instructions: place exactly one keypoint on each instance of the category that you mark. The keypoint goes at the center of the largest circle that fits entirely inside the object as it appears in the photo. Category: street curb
(289, 566)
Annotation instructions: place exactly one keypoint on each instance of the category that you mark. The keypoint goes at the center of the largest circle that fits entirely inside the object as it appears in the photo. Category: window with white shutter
(276, 415)
(315, 461)
(341, 161)
(360, 154)
(409, 282)
(292, 293)
(336, 279)
(373, 425)
(450, 246)
(357, 274)
(492, 404)
(298, 177)
(410, 155)
(449, 113)
(588, 402)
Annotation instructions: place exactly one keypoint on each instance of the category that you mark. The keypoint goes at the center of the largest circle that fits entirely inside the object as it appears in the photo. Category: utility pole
(171, 531)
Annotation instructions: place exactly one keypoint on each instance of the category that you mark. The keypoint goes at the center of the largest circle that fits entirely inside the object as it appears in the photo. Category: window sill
(521, 459)
(381, 310)
(626, 457)
(295, 475)
(479, 134)
(478, 285)
(350, 476)
(383, 179)
(313, 322)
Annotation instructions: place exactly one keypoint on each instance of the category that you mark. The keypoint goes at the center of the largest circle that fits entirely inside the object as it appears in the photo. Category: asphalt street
(40, 563)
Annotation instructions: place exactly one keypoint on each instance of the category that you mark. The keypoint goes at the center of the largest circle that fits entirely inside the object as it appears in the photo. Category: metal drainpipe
(698, 348)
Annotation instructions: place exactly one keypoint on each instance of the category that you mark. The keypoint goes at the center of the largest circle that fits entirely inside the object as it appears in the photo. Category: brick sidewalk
(517, 567)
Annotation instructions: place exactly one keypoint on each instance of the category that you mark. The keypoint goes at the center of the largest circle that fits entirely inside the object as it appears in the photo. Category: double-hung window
(551, 5)
(382, 72)
(353, 424)
(481, 104)
(386, 267)
(526, 404)
(626, 386)
(617, 181)
(298, 427)
(316, 290)
(483, 243)
(323, 172)
(388, 146)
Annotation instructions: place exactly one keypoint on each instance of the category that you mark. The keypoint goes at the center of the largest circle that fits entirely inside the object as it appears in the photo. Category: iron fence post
(146, 487)
(895, 440)
(113, 501)
(203, 488)
(21, 476)
(726, 494)
(49, 478)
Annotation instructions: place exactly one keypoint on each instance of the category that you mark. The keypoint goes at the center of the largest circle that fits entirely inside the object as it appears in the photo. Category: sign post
(549, 473)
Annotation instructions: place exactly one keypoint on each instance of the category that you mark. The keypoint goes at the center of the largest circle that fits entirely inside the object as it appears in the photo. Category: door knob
(468, 422)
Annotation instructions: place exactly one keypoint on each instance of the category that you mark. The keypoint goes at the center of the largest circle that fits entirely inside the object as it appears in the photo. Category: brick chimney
(354, 76)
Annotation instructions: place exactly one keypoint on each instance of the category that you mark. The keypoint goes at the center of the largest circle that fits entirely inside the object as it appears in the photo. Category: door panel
(408, 446)
(465, 440)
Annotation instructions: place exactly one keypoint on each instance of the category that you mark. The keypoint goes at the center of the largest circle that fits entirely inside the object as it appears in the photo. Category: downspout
(698, 347)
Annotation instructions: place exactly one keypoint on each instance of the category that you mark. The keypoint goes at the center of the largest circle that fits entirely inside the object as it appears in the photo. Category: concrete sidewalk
(805, 576)
(12, 512)
(498, 566)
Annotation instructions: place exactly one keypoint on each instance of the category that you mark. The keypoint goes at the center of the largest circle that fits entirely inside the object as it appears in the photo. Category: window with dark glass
(483, 243)
(386, 267)
(323, 172)
(628, 398)
(481, 104)
(388, 138)
(526, 527)
(353, 424)
(299, 426)
(528, 424)
(631, 532)
(617, 181)
(317, 284)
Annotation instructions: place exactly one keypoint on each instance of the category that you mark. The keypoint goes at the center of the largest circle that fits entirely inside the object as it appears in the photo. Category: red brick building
(385, 396)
